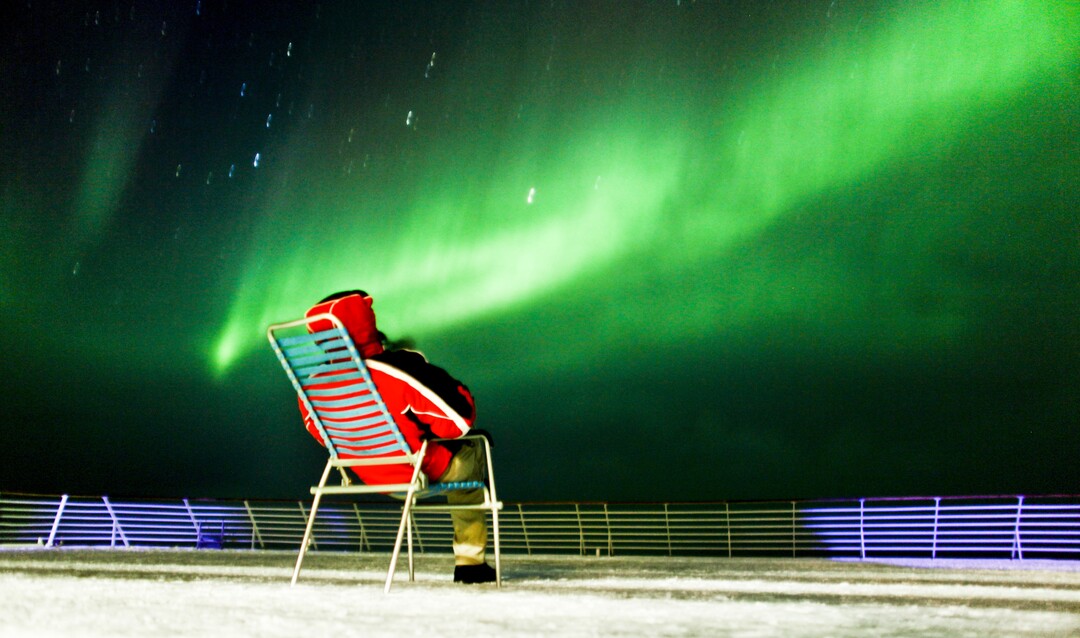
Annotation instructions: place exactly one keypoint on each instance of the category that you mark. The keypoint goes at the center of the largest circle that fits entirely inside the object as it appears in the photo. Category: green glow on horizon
(617, 189)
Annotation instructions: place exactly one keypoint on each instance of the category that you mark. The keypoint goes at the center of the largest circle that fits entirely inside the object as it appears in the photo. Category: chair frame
(297, 352)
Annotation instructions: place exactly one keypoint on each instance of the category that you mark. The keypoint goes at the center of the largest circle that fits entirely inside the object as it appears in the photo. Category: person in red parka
(426, 403)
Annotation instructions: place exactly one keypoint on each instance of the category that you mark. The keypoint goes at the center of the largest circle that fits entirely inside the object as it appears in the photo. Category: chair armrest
(469, 437)
(475, 433)
(489, 467)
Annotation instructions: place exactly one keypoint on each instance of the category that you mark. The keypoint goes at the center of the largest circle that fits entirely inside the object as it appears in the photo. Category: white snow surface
(81, 592)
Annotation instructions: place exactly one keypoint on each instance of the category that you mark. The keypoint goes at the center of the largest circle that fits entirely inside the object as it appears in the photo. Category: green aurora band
(667, 183)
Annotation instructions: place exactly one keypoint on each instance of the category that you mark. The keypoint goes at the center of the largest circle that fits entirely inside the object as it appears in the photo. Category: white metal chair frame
(307, 360)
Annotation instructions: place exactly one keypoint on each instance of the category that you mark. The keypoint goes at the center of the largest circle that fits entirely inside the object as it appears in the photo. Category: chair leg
(493, 500)
(307, 537)
(412, 569)
(310, 522)
(495, 528)
(405, 511)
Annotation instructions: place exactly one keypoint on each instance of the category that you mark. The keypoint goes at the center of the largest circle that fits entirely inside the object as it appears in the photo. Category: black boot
(473, 574)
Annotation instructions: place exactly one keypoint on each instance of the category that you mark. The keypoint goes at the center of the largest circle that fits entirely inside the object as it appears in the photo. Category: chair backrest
(336, 387)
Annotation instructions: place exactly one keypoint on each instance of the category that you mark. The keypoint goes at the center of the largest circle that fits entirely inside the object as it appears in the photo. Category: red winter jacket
(423, 399)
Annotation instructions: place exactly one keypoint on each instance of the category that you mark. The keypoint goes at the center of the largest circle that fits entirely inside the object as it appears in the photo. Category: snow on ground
(71, 592)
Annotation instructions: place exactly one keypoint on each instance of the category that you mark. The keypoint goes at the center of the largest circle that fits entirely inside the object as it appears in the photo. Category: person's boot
(474, 574)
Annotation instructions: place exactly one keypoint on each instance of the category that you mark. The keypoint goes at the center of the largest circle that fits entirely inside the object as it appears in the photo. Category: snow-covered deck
(155, 592)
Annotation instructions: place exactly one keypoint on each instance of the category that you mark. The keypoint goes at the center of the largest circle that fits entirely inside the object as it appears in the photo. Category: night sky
(678, 250)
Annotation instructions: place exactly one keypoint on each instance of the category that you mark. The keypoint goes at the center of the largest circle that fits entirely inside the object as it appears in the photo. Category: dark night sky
(679, 250)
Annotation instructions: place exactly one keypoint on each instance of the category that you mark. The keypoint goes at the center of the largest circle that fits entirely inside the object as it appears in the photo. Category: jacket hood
(356, 315)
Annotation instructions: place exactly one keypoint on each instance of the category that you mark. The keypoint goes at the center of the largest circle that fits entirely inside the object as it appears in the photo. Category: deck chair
(335, 385)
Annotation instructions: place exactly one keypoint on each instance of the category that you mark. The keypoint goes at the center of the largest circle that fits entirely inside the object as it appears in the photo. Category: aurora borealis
(678, 250)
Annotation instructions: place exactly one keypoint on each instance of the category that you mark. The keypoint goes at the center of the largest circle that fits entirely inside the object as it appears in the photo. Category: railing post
(667, 529)
(862, 532)
(255, 535)
(363, 534)
(793, 529)
(937, 510)
(303, 514)
(117, 528)
(581, 529)
(607, 523)
(419, 541)
(1018, 548)
(194, 522)
(56, 520)
(727, 524)
(524, 532)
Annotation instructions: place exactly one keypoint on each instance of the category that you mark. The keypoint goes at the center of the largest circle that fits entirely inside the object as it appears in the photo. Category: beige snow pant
(470, 526)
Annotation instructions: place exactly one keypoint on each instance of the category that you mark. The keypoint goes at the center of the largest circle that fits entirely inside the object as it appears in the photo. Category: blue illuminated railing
(939, 527)
(1015, 527)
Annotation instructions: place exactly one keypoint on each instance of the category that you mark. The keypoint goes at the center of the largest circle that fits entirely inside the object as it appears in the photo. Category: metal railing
(1015, 527)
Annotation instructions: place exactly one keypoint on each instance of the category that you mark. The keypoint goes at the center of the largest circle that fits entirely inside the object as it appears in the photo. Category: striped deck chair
(332, 380)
